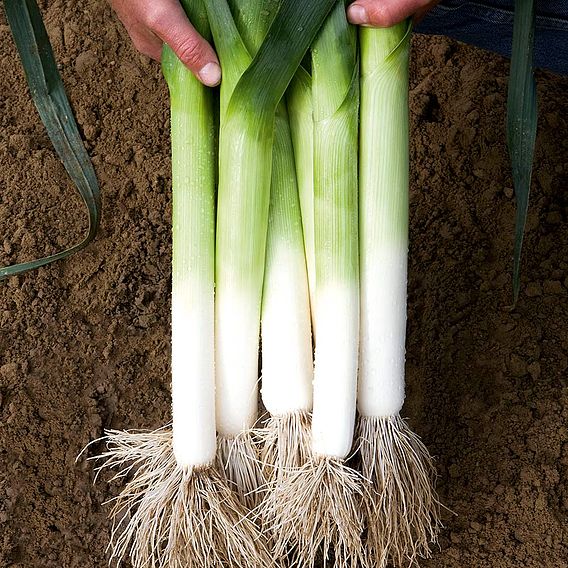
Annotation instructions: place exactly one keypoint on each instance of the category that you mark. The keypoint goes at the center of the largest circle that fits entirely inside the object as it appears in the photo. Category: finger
(383, 13)
(169, 23)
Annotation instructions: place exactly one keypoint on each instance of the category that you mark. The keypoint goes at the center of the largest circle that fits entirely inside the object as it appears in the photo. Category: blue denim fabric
(489, 24)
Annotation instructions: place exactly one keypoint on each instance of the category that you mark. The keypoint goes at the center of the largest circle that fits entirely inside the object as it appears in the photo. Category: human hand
(386, 13)
(150, 24)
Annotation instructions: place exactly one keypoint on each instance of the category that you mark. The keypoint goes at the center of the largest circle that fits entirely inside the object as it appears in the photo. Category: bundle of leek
(389, 512)
(178, 510)
(311, 224)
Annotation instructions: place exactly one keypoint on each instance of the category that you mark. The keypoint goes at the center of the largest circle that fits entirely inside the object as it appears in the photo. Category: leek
(287, 360)
(193, 254)
(335, 87)
(401, 506)
(324, 494)
(238, 270)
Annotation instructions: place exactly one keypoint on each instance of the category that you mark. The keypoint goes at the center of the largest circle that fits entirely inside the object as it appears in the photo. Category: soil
(84, 343)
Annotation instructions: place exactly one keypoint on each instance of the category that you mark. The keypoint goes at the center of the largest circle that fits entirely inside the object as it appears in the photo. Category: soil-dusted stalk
(401, 508)
(316, 509)
(248, 105)
(178, 509)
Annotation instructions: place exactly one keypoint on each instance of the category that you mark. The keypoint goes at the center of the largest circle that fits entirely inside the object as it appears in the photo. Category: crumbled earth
(84, 343)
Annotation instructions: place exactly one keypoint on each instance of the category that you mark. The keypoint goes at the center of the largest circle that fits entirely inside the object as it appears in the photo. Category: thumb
(383, 13)
(171, 25)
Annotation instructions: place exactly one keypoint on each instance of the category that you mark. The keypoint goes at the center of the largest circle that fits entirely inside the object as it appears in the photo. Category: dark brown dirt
(84, 344)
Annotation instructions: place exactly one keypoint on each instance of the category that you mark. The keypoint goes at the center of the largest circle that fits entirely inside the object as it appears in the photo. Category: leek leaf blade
(521, 122)
(49, 96)
(290, 35)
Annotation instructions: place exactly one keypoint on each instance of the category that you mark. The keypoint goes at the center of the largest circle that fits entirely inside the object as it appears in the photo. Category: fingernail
(210, 74)
(357, 14)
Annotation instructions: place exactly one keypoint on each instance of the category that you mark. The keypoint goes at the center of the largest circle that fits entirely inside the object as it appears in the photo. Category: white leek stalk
(401, 506)
(242, 213)
(383, 219)
(240, 244)
(193, 265)
(335, 89)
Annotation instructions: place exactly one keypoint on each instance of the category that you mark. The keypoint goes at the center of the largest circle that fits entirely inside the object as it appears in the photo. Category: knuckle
(385, 13)
(190, 51)
(140, 45)
(154, 17)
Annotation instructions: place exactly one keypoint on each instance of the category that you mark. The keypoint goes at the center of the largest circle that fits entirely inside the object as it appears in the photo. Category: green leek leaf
(55, 111)
(291, 33)
(521, 121)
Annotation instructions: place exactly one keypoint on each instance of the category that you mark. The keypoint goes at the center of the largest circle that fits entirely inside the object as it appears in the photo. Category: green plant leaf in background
(521, 121)
(55, 111)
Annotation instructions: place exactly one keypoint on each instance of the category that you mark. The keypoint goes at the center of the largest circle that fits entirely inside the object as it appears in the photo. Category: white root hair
(315, 515)
(285, 444)
(402, 511)
(172, 517)
(239, 460)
